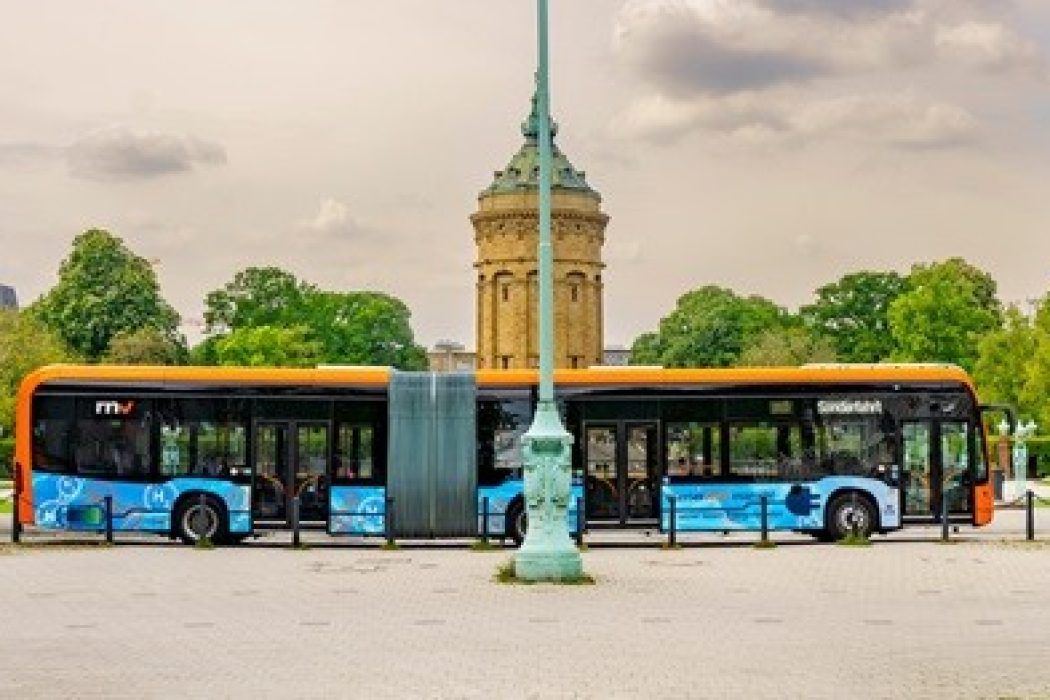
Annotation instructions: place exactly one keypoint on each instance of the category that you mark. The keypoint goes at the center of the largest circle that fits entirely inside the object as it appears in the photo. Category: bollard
(765, 519)
(579, 522)
(672, 501)
(485, 520)
(1030, 514)
(944, 516)
(107, 502)
(388, 518)
(296, 542)
(16, 524)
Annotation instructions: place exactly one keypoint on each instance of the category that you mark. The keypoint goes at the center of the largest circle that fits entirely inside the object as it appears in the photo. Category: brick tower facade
(506, 232)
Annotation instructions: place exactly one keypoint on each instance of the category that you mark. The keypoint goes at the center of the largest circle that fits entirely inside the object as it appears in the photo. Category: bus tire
(197, 519)
(517, 522)
(847, 511)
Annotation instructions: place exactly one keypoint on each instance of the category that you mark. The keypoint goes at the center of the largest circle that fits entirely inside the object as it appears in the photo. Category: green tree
(257, 296)
(1003, 355)
(364, 328)
(146, 346)
(104, 290)
(853, 314)
(25, 345)
(348, 327)
(709, 327)
(1033, 397)
(943, 313)
(787, 347)
(267, 346)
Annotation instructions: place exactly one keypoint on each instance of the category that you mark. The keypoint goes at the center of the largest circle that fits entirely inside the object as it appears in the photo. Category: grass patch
(668, 547)
(765, 544)
(390, 547)
(6, 507)
(204, 543)
(505, 573)
(484, 546)
(855, 539)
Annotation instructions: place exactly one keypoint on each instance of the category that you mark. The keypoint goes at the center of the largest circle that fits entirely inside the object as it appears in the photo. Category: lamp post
(547, 553)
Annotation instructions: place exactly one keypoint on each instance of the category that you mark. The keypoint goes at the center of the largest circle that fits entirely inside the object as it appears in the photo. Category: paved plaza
(906, 618)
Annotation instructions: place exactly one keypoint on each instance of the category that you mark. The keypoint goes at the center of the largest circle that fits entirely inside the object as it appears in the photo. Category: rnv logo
(114, 408)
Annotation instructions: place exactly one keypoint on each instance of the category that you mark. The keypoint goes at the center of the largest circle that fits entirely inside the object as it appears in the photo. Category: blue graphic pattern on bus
(790, 506)
(360, 510)
(73, 502)
(357, 510)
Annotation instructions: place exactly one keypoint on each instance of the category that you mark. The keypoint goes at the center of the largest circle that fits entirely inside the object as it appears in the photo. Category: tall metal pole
(548, 552)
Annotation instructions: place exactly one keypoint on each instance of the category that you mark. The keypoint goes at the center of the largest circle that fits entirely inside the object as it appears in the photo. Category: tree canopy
(25, 345)
(944, 311)
(787, 347)
(852, 313)
(267, 346)
(104, 290)
(340, 327)
(146, 346)
(709, 327)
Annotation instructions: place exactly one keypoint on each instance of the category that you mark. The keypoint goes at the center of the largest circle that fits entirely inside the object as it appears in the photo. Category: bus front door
(936, 465)
(621, 478)
(291, 461)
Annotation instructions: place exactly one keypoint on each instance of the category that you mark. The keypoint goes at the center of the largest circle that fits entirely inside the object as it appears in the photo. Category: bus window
(112, 438)
(765, 450)
(500, 427)
(955, 458)
(854, 446)
(203, 437)
(353, 453)
(52, 432)
(693, 451)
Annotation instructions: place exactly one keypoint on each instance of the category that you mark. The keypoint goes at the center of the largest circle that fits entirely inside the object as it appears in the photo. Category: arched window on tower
(576, 281)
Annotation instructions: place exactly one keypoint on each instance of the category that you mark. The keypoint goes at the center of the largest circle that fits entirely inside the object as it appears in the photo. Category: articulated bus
(227, 453)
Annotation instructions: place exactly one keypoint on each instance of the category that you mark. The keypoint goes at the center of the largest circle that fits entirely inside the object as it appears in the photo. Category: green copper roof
(523, 171)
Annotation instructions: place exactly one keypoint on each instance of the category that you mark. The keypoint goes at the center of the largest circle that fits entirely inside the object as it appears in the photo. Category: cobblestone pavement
(906, 618)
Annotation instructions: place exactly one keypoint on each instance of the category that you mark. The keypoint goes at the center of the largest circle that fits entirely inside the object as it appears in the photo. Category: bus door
(621, 477)
(291, 460)
(936, 464)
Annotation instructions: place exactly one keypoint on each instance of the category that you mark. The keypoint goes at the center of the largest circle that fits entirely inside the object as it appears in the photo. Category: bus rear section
(824, 458)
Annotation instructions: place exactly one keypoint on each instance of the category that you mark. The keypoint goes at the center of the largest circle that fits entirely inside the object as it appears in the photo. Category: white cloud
(901, 119)
(118, 152)
(332, 219)
(988, 45)
(690, 47)
(771, 71)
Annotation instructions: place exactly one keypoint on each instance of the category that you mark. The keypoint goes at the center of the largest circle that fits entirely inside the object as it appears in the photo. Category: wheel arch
(188, 497)
(846, 491)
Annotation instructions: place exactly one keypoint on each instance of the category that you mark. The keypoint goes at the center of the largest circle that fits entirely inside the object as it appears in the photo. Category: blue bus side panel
(798, 506)
(76, 503)
(359, 510)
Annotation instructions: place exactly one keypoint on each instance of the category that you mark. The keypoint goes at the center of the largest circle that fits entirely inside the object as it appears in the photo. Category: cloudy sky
(769, 146)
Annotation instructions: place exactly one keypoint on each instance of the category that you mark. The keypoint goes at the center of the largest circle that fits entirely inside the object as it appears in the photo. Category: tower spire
(530, 128)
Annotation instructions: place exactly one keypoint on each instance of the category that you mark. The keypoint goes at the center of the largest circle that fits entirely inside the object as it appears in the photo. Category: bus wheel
(517, 522)
(848, 512)
(199, 519)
